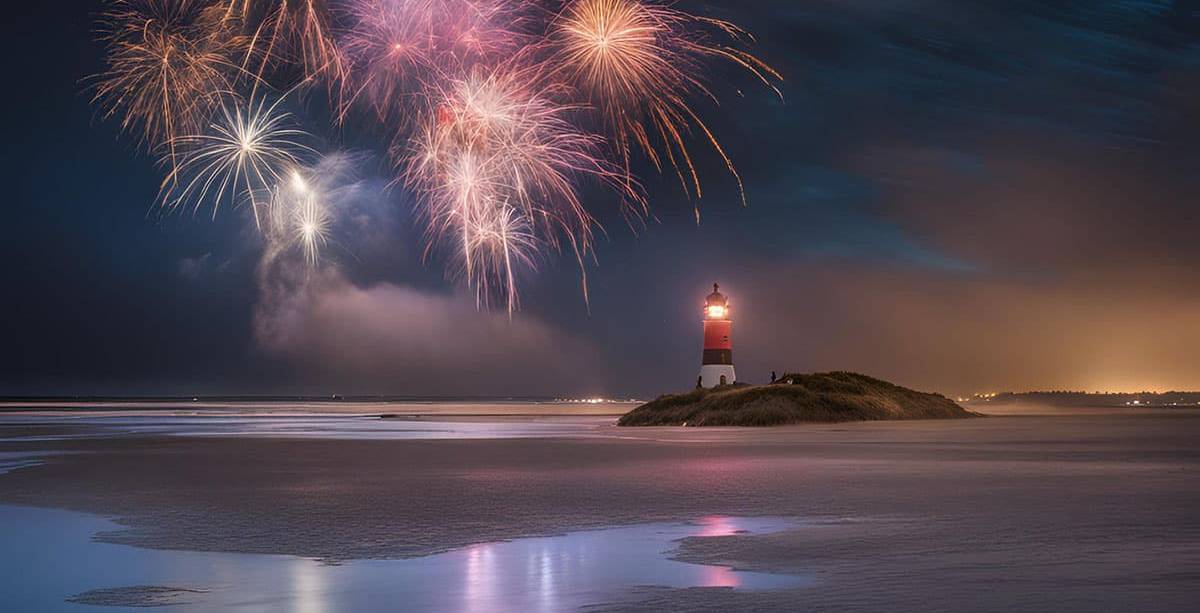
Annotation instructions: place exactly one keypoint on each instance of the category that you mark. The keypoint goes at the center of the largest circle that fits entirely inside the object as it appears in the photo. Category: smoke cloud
(381, 337)
(398, 338)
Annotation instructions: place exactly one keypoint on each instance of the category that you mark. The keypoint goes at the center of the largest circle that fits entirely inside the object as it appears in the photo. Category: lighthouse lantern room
(717, 364)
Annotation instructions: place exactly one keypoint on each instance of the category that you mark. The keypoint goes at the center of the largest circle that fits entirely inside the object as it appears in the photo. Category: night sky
(959, 196)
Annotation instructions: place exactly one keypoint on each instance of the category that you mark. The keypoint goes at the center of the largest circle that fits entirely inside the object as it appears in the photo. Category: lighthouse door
(722, 379)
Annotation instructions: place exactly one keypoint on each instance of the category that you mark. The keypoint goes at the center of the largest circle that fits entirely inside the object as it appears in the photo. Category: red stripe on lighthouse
(716, 334)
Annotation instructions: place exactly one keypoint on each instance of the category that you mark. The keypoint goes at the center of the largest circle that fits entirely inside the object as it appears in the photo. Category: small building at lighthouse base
(712, 375)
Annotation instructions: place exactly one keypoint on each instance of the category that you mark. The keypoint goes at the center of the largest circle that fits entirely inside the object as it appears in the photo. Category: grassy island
(794, 399)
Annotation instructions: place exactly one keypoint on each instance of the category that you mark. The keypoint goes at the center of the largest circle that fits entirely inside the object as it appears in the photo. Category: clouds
(1042, 206)
(390, 337)
(1019, 184)
(1104, 330)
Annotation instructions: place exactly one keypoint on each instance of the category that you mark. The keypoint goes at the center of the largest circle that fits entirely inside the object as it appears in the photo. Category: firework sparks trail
(247, 150)
(297, 30)
(640, 62)
(483, 101)
(169, 62)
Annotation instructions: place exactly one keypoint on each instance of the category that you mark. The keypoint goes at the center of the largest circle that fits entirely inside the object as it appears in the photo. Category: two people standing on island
(700, 380)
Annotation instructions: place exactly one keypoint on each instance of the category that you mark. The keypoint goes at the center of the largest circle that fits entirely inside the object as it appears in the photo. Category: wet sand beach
(1080, 512)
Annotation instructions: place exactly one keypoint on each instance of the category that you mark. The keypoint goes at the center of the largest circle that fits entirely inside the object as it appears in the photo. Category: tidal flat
(1067, 511)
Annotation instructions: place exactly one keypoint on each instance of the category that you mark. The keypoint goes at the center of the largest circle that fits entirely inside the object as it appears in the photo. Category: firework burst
(639, 63)
(397, 46)
(498, 162)
(169, 62)
(248, 150)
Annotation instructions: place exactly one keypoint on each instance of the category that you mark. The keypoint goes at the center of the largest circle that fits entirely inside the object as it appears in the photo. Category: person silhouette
(772, 376)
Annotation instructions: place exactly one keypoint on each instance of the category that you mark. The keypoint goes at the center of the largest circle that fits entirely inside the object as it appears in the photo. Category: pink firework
(397, 46)
(497, 160)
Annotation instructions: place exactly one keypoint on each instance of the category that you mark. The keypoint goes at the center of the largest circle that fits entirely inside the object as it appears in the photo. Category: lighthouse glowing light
(717, 363)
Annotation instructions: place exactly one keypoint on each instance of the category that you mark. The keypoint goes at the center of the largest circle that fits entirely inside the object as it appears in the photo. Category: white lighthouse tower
(716, 365)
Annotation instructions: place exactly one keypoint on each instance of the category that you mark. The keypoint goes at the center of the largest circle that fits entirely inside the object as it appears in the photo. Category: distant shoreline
(1068, 399)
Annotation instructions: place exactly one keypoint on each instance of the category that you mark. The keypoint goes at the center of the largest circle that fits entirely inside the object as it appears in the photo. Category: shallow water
(49, 557)
(309, 426)
(13, 460)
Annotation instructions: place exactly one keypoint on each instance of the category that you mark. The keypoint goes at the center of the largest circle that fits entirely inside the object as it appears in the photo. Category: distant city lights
(1112, 399)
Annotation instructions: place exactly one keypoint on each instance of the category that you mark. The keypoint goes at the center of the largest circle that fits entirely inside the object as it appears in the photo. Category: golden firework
(640, 63)
(169, 63)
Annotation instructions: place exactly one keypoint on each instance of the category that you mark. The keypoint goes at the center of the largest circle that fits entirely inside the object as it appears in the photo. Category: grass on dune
(794, 398)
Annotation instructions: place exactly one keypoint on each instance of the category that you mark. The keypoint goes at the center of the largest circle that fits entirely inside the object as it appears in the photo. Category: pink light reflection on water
(718, 525)
(479, 587)
(549, 573)
(524, 575)
(719, 576)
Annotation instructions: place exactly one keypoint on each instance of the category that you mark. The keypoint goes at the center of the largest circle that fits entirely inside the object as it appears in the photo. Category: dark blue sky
(956, 195)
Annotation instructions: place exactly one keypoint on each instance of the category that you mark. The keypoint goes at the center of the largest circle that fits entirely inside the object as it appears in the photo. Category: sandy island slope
(793, 399)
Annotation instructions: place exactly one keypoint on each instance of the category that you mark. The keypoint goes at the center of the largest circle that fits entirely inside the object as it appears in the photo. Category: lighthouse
(716, 366)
